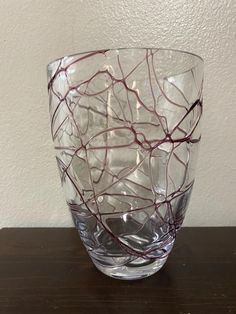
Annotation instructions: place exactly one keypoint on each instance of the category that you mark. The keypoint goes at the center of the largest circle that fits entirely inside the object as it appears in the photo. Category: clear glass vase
(125, 125)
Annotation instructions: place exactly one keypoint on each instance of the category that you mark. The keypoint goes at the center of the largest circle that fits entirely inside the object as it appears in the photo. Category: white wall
(33, 32)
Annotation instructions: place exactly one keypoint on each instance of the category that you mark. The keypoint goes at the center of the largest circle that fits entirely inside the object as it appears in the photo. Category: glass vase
(126, 129)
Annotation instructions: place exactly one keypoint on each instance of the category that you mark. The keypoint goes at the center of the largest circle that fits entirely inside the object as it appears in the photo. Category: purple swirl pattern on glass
(125, 125)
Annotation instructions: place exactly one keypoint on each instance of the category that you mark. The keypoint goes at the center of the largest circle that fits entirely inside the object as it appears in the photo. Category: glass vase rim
(198, 57)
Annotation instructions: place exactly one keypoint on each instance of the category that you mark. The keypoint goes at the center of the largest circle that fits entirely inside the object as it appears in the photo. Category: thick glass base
(139, 269)
(133, 250)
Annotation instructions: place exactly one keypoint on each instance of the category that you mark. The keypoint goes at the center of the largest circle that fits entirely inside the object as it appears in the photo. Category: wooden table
(47, 271)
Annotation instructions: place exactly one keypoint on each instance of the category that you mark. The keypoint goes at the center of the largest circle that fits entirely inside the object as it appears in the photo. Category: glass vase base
(134, 271)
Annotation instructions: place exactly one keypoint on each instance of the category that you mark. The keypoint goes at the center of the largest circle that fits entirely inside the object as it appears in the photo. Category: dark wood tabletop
(46, 270)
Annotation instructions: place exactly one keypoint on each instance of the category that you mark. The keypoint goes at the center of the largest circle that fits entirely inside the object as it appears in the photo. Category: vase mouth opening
(197, 59)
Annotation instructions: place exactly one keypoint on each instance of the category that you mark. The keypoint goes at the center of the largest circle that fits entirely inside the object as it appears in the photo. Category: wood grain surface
(45, 270)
